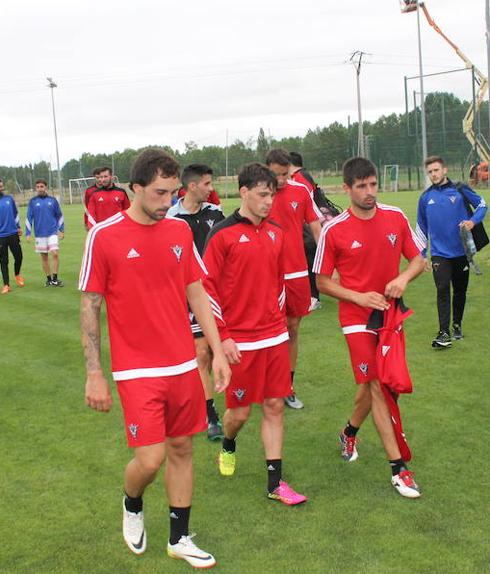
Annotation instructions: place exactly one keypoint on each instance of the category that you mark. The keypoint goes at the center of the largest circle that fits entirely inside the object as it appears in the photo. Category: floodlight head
(51, 84)
(407, 6)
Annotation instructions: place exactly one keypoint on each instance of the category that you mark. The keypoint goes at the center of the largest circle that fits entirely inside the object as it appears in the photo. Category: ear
(137, 188)
(346, 188)
(243, 191)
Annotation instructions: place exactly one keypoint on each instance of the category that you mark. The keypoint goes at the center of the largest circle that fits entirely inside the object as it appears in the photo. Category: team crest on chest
(452, 198)
(392, 237)
(210, 223)
(294, 205)
(363, 367)
(177, 249)
(272, 235)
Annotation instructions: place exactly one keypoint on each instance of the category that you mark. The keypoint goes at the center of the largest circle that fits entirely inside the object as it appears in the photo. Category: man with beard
(104, 199)
(147, 269)
(365, 244)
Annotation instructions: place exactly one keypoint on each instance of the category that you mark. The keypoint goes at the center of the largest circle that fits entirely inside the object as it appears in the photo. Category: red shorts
(261, 374)
(362, 349)
(298, 296)
(155, 408)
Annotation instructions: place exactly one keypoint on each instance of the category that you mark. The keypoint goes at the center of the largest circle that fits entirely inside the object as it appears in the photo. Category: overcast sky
(167, 72)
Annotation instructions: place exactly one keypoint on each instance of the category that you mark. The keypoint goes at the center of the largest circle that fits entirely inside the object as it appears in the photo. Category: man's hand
(221, 372)
(232, 353)
(28, 238)
(61, 234)
(19, 232)
(372, 300)
(98, 392)
(428, 265)
(395, 288)
(468, 224)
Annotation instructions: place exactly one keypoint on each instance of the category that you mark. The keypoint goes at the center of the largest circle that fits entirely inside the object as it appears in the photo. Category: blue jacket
(46, 214)
(441, 209)
(9, 217)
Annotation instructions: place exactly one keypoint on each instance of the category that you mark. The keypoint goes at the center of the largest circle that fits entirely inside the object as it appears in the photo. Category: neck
(255, 219)
(190, 203)
(363, 213)
(294, 170)
(137, 214)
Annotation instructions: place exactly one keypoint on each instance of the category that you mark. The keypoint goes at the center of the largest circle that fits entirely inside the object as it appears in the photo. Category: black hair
(357, 168)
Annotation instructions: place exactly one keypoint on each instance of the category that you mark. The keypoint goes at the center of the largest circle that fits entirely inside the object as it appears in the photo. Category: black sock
(48, 277)
(179, 522)
(133, 504)
(229, 444)
(397, 466)
(55, 276)
(292, 382)
(274, 473)
(213, 417)
(350, 430)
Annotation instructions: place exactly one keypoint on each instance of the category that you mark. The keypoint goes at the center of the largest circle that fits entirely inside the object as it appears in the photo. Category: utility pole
(52, 85)
(360, 133)
(226, 166)
(487, 12)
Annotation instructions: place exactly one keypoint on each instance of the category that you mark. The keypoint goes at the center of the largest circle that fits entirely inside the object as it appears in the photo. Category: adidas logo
(431, 202)
(173, 515)
(132, 254)
(385, 349)
(243, 239)
(270, 467)
(355, 245)
(100, 199)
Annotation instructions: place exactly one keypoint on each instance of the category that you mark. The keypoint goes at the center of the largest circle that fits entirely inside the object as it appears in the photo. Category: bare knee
(203, 357)
(239, 415)
(150, 458)
(179, 448)
(273, 408)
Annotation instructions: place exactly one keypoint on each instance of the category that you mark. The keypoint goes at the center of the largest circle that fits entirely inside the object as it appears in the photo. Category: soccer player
(244, 258)
(201, 215)
(292, 207)
(299, 174)
(365, 244)
(10, 233)
(146, 268)
(103, 178)
(44, 213)
(442, 210)
(107, 200)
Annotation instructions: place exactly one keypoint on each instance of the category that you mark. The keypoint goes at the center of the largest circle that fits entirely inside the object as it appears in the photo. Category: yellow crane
(479, 144)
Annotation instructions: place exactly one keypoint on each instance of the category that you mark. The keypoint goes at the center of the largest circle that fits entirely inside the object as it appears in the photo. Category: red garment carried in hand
(391, 364)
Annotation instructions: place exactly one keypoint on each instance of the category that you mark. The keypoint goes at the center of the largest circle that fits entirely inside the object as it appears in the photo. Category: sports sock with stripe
(134, 505)
(350, 430)
(179, 522)
(397, 466)
(274, 473)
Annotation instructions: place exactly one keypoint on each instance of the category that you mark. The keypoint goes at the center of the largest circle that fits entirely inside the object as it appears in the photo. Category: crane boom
(479, 144)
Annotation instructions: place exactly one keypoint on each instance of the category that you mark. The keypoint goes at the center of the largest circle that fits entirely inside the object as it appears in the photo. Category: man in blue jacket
(10, 233)
(44, 213)
(444, 208)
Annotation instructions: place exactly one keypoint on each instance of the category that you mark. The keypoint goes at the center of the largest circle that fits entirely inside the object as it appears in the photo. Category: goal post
(390, 177)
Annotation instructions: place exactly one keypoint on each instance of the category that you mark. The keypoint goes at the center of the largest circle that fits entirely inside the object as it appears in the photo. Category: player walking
(44, 214)
(244, 257)
(10, 233)
(201, 215)
(365, 244)
(146, 268)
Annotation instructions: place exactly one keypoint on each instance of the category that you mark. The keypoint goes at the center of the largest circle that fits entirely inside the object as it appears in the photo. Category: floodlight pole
(52, 85)
(422, 97)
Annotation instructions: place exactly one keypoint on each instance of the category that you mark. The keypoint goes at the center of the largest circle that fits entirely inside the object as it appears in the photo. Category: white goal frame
(388, 170)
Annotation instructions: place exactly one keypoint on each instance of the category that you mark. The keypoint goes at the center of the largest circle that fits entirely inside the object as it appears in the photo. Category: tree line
(391, 139)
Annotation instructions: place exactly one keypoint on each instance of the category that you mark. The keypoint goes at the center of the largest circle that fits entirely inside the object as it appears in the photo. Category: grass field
(61, 464)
